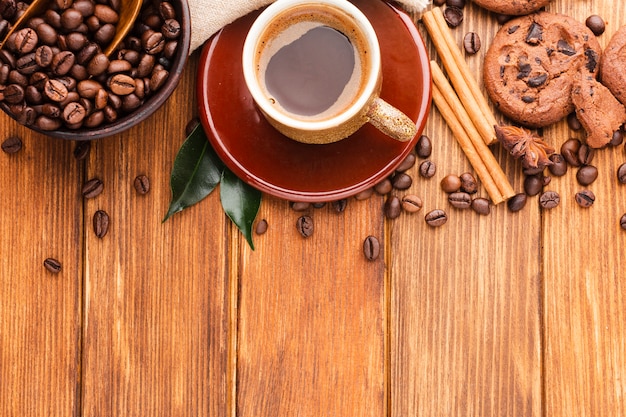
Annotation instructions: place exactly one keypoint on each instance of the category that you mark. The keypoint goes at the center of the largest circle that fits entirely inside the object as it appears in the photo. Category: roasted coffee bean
(6, 57)
(533, 185)
(481, 206)
(62, 62)
(453, 16)
(412, 203)
(100, 223)
(110, 114)
(471, 43)
(451, 183)
(158, 79)
(596, 24)
(569, 150)
(50, 110)
(11, 145)
(427, 169)
(621, 173)
(82, 149)
(105, 13)
(101, 99)
(167, 11)
(586, 174)
(63, 4)
(89, 52)
(44, 56)
(32, 95)
(617, 138)
(47, 123)
(424, 147)
(130, 102)
(299, 205)
(559, 165)
(304, 224)
(71, 19)
(436, 218)
(92, 188)
(105, 34)
(88, 88)
(169, 51)
(76, 41)
(407, 163)
(98, 64)
(122, 84)
(170, 30)
(546, 179)
(401, 181)
(573, 122)
(74, 113)
(549, 199)
(152, 42)
(365, 194)
(85, 7)
(25, 40)
(393, 207)
(145, 65)
(142, 184)
(13, 93)
(468, 183)
(383, 187)
(585, 154)
(318, 205)
(456, 3)
(517, 202)
(340, 205)
(622, 222)
(52, 265)
(439, 3)
(95, 119)
(16, 77)
(119, 65)
(371, 248)
(27, 65)
(55, 90)
(27, 116)
(460, 200)
(261, 227)
(585, 198)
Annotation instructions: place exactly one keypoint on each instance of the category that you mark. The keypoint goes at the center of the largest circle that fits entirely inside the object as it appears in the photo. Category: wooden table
(512, 314)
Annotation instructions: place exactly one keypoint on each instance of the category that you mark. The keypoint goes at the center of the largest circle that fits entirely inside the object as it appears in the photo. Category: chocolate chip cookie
(532, 64)
(613, 64)
(515, 7)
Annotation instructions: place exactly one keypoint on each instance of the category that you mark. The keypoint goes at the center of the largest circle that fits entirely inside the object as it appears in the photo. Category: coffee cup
(313, 68)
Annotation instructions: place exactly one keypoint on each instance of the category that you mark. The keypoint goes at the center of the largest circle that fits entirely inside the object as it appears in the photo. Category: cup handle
(391, 121)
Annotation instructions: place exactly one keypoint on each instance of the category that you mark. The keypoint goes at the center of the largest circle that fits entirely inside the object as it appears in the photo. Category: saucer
(279, 166)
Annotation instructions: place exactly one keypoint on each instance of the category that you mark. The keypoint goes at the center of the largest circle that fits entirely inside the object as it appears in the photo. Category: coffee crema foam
(307, 72)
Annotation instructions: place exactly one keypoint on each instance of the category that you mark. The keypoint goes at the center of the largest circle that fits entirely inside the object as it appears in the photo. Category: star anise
(525, 145)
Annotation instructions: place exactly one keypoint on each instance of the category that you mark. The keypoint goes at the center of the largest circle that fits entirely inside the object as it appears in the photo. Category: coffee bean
(105, 13)
(585, 154)
(365, 194)
(167, 11)
(468, 183)
(617, 138)
(105, 34)
(621, 173)
(460, 200)
(340, 205)
(92, 188)
(585, 198)
(371, 248)
(12, 144)
(517, 202)
(98, 64)
(569, 150)
(304, 224)
(52, 265)
(549, 199)
(171, 29)
(13, 93)
(44, 56)
(383, 187)
(453, 16)
(573, 122)
(439, 3)
(559, 165)
(71, 19)
(407, 163)
(456, 3)
(47, 123)
(586, 174)
(119, 65)
(596, 24)
(152, 42)
(481, 206)
(393, 207)
(299, 206)
(55, 90)
(424, 147)
(26, 40)
(142, 184)
(74, 113)
(427, 169)
(261, 227)
(436, 218)
(100, 223)
(158, 79)
(401, 181)
(63, 4)
(122, 84)
(622, 222)
(82, 149)
(471, 43)
(411, 203)
(533, 185)
(451, 183)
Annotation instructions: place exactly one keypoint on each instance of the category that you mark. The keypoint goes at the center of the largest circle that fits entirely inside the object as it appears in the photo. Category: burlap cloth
(209, 16)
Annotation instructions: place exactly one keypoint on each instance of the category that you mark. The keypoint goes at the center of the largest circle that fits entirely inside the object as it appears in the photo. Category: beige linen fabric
(209, 16)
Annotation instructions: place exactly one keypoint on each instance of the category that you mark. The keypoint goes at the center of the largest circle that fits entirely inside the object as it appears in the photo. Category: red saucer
(279, 166)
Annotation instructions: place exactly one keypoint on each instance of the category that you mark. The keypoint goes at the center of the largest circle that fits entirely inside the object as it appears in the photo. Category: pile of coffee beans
(54, 73)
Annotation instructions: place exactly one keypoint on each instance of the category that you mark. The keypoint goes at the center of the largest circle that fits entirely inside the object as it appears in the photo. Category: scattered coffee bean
(100, 223)
(365, 194)
(428, 169)
(261, 227)
(585, 198)
(407, 163)
(401, 181)
(12, 144)
(320, 205)
(596, 24)
(383, 187)
(481, 206)
(549, 199)
(439, 2)
(456, 3)
(436, 218)
(142, 184)
(453, 16)
(299, 206)
(451, 183)
(622, 222)
(546, 179)
(468, 183)
(340, 205)
(585, 154)
(621, 174)
(411, 203)
(573, 122)
(533, 171)
(52, 265)
(517, 202)
(304, 224)
(92, 188)
(617, 138)
(586, 174)
(393, 207)
(569, 150)
(82, 149)
(533, 185)
(503, 18)
(471, 43)
(460, 200)
(371, 248)
(424, 147)
(559, 165)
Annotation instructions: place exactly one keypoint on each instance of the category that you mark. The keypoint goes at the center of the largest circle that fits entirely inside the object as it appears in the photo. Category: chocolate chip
(535, 34)
(565, 48)
(537, 81)
(592, 60)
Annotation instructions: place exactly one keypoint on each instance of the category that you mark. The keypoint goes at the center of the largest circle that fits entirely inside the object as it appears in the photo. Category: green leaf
(197, 171)
(240, 202)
